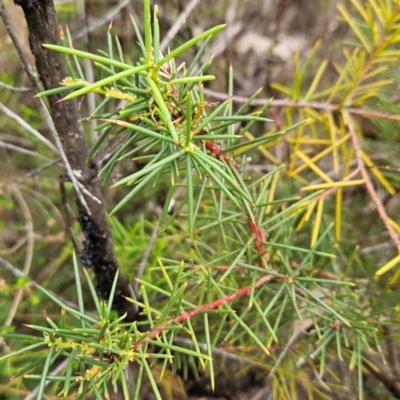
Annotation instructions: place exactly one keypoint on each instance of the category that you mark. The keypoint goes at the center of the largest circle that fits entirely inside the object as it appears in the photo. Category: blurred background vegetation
(330, 63)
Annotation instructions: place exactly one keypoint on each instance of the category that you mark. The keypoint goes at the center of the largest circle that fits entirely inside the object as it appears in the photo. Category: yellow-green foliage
(327, 154)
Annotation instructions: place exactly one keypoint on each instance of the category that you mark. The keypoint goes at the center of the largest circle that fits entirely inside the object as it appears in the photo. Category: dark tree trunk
(98, 251)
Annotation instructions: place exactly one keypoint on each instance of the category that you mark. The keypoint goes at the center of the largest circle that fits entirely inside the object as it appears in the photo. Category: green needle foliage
(232, 281)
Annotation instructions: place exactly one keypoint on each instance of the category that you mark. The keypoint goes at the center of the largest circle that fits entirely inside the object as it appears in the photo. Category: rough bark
(98, 251)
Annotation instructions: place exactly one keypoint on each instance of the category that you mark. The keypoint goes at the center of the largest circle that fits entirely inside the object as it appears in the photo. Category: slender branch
(333, 190)
(29, 251)
(383, 247)
(78, 188)
(13, 88)
(388, 168)
(22, 150)
(203, 308)
(178, 24)
(298, 328)
(304, 104)
(145, 257)
(368, 182)
(107, 17)
(28, 127)
(260, 239)
(33, 284)
(28, 69)
(57, 370)
(88, 68)
(258, 232)
(38, 170)
(217, 351)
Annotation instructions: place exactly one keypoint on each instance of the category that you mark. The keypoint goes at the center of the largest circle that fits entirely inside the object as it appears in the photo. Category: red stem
(205, 307)
(258, 233)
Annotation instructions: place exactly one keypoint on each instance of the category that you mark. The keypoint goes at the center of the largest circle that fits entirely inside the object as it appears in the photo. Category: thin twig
(10, 250)
(258, 232)
(64, 158)
(183, 316)
(217, 351)
(106, 18)
(15, 89)
(152, 240)
(333, 190)
(33, 284)
(377, 247)
(28, 127)
(56, 371)
(299, 327)
(37, 171)
(388, 168)
(22, 150)
(28, 69)
(145, 258)
(29, 251)
(259, 239)
(178, 24)
(303, 104)
(88, 67)
(368, 183)
(224, 41)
